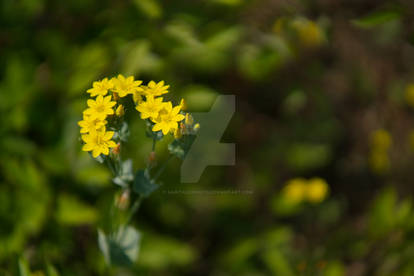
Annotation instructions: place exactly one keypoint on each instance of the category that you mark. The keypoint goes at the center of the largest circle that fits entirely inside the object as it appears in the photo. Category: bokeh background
(324, 133)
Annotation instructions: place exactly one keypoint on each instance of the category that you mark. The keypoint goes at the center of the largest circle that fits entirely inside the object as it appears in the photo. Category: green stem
(133, 209)
(154, 141)
(108, 161)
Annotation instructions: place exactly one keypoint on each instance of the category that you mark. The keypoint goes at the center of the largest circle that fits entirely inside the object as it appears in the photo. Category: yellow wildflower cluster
(313, 190)
(164, 116)
(106, 104)
(381, 142)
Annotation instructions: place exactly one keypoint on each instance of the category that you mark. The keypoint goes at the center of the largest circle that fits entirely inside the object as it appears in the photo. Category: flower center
(100, 108)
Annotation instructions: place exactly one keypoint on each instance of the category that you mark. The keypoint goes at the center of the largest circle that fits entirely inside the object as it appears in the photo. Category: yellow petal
(96, 152)
(108, 135)
(87, 147)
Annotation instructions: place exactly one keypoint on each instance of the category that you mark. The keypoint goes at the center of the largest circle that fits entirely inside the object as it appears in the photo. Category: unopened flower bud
(183, 105)
(152, 157)
(117, 149)
(178, 132)
(196, 127)
(123, 200)
(115, 96)
(120, 111)
(188, 119)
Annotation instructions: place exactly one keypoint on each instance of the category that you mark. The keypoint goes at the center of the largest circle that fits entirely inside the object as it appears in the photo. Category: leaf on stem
(143, 184)
(122, 248)
(125, 175)
(180, 147)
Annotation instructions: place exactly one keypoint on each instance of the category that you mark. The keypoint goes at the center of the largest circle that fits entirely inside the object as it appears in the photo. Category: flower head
(295, 190)
(317, 190)
(124, 86)
(101, 87)
(98, 141)
(168, 119)
(156, 89)
(89, 124)
(100, 108)
(151, 107)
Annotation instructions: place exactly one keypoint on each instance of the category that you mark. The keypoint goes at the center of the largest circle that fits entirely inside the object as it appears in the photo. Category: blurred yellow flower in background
(313, 190)
(316, 190)
(379, 161)
(295, 190)
(309, 33)
(381, 139)
(409, 94)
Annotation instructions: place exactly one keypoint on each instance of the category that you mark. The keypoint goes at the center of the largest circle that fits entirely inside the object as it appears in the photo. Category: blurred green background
(324, 94)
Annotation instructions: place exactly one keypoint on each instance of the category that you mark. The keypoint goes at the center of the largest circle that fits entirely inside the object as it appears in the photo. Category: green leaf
(143, 184)
(123, 133)
(104, 246)
(121, 249)
(377, 18)
(72, 211)
(150, 8)
(125, 175)
(277, 262)
(100, 158)
(154, 135)
(306, 156)
(180, 147)
(51, 271)
(382, 214)
(24, 269)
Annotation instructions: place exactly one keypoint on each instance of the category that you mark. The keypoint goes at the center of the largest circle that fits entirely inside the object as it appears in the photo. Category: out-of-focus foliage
(324, 93)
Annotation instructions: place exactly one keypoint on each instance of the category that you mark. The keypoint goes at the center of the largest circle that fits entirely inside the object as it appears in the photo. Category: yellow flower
(379, 161)
(156, 89)
(88, 124)
(279, 25)
(295, 190)
(316, 190)
(100, 108)
(124, 86)
(137, 96)
(168, 119)
(409, 95)
(120, 111)
(309, 32)
(98, 142)
(151, 107)
(381, 139)
(100, 87)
